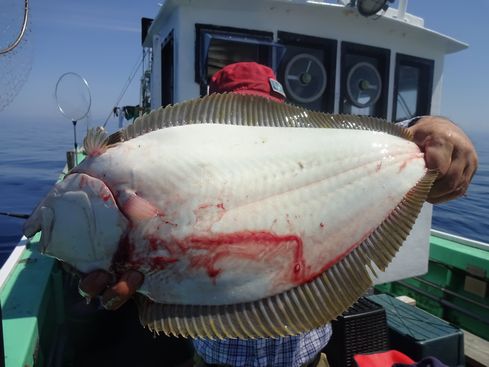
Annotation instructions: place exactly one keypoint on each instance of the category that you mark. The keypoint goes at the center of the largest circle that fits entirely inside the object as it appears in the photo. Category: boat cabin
(328, 56)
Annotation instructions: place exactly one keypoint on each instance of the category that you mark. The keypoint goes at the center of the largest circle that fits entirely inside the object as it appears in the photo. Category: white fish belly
(242, 213)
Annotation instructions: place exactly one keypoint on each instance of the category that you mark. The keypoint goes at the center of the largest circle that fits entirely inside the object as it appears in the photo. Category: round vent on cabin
(305, 78)
(363, 85)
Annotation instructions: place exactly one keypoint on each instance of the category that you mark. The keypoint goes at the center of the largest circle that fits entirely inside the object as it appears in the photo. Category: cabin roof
(409, 25)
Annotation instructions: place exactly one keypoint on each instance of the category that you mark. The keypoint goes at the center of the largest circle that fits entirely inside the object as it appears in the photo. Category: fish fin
(302, 308)
(95, 143)
(138, 209)
(252, 111)
(384, 242)
(114, 138)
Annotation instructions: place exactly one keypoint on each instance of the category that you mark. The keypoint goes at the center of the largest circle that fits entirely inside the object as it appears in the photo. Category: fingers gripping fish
(248, 218)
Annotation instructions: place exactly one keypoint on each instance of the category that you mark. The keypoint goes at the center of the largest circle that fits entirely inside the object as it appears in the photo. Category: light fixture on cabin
(371, 7)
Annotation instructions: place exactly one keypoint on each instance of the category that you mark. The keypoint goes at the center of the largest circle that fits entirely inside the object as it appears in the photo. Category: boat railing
(461, 240)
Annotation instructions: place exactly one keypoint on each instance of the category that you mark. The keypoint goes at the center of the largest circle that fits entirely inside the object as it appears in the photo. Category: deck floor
(476, 350)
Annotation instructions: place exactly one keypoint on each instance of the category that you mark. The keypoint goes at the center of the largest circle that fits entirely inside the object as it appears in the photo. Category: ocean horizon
(32, 156)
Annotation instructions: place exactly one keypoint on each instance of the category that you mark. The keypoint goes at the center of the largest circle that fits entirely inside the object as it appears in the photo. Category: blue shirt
(290, 351)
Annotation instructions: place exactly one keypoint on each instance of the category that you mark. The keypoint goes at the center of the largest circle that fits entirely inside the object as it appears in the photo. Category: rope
(126, 86)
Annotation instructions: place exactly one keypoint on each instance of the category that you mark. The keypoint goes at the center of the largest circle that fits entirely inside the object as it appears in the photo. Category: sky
(101, 41)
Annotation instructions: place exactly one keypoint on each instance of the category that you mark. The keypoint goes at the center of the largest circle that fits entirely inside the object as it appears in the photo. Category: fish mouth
(80, 223)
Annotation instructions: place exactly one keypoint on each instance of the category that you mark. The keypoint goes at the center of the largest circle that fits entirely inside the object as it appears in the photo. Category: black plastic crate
(419, 334)
(361, 329)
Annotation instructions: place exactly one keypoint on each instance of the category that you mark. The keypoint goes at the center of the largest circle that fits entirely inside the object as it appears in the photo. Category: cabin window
(167, 71)
(413, 85)
(364, 80)
(307, 70)
(217, 47)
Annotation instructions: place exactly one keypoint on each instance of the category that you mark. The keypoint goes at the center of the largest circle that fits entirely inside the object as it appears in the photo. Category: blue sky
(101, 41)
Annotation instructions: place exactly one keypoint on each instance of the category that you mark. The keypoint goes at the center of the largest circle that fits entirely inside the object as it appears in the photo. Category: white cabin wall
(186, 87)
(437, 86)
(171, 23)
(156, 72)
(314, 20)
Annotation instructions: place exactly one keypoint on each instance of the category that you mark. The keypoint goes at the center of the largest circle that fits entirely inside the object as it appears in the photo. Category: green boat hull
(456, 286)
(34, 299)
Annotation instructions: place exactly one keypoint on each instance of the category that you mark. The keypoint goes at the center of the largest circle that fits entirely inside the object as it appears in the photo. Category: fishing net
(15, 49)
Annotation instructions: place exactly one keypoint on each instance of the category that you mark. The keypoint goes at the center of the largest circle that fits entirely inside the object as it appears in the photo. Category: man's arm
(448, 150)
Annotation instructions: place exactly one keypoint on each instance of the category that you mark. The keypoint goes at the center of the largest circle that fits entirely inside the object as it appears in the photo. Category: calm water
(32, 156)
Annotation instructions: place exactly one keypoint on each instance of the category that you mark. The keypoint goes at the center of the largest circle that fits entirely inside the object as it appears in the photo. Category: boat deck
(476, 350)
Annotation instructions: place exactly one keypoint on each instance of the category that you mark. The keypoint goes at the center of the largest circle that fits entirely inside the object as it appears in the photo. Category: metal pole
(75, 142)
(2, 347)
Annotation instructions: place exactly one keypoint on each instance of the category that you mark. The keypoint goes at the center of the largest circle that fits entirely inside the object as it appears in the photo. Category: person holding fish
(446, 149)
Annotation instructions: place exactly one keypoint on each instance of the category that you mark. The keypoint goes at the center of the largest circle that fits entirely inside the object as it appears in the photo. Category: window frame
(425, 87)
(328, 46)
(248, 36)
(382, 55)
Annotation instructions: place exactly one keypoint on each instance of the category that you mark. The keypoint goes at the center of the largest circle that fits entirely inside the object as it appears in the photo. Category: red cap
(247, 78)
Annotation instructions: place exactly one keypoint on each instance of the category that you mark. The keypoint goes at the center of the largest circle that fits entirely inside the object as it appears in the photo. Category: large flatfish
(248, 218)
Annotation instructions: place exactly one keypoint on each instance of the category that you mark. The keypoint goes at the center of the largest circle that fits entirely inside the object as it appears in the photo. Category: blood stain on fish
(105, 194)
(159, 262)
(249, 245)
(122, 257)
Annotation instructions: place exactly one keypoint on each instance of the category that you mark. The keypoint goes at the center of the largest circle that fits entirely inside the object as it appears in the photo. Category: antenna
(74, 100)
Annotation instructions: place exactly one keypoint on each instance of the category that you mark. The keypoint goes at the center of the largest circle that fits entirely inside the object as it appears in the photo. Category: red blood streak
(97, 152)
(337, 259)
(213, 273)
(413, 157)
(402, 166)
(246, 244)
(122, 258)
(154, 242)
(105, 195)
(208, 251)
(159, 262)
(172, 247)
(83, 181)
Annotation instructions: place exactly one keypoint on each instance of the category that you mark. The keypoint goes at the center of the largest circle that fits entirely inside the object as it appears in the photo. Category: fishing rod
(16, 215)
(126, 86)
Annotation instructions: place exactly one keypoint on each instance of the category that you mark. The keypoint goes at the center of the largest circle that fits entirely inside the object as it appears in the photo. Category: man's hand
(448, 150)
(113, 295)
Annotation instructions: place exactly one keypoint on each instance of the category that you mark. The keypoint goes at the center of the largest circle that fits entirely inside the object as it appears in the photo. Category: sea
(33, 154)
